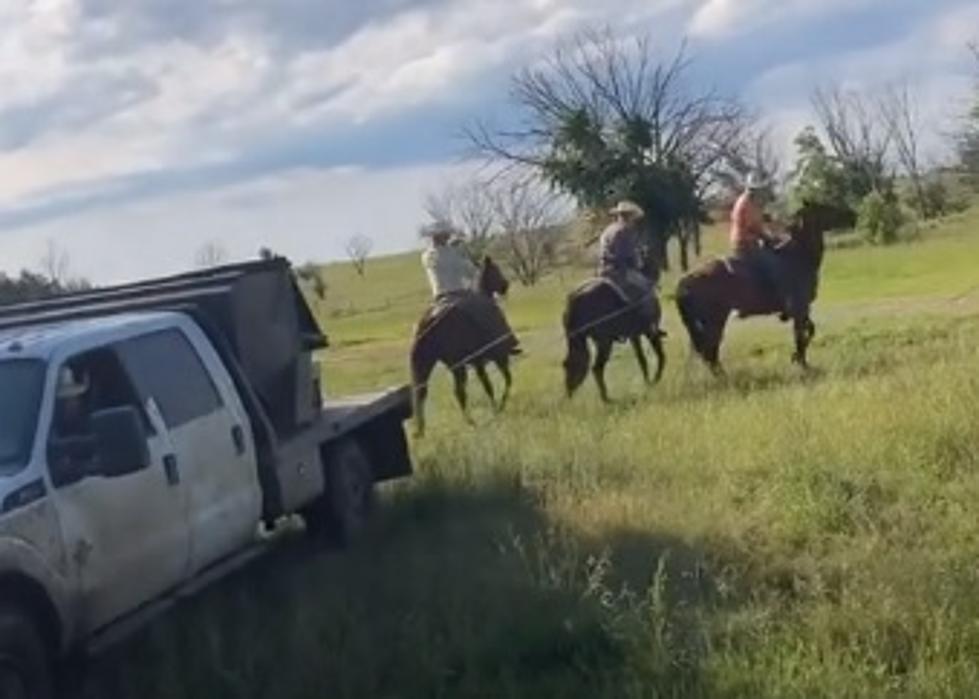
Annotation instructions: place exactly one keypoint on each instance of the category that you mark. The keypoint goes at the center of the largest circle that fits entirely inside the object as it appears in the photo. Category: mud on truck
(148, 433)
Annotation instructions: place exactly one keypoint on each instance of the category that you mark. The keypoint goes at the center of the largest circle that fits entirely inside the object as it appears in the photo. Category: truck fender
(26, 577)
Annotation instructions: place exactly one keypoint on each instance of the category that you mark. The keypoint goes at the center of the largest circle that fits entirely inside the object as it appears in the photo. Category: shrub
(880, 218)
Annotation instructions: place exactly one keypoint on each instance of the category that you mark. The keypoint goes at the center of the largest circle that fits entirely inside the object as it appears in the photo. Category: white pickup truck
(147, 434)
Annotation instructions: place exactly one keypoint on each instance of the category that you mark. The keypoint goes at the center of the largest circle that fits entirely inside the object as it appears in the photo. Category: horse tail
(686, 303)
(578, 358)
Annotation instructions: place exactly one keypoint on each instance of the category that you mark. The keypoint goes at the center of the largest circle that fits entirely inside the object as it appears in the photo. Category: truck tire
(25, 662)
(343, 513)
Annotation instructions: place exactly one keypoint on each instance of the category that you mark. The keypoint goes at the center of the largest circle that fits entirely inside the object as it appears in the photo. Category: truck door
(210, 436)
(127, 537)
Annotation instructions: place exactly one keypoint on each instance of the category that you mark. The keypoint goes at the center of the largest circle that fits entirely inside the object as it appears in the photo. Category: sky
(134, 132)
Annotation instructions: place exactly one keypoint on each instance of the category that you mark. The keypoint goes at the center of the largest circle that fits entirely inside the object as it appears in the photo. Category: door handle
(170, 469)
(238, 438)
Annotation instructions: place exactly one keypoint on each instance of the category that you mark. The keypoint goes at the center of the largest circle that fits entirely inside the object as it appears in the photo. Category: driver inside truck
(72, 441)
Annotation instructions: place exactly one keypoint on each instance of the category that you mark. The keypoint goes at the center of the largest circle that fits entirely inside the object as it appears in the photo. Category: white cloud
(304, 214)
(724, 18)
(932, 60)
(218, 79)
(96, 91)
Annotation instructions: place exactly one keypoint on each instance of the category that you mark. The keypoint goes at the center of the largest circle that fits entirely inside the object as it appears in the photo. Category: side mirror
(120, 439)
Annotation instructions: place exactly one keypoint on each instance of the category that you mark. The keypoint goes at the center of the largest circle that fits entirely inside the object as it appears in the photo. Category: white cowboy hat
(69, 386)
(438, 229)
(627, 207)
(755, 181)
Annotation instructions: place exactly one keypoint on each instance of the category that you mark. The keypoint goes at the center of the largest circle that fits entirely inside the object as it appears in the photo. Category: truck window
(21, 388)
(166, 367)
(85, 384)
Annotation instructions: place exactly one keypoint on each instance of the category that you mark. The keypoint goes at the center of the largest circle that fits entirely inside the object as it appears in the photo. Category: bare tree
(619, 85)
(860, 140)
(468, 208)
(603, 118)
(358, 250)
(899, 111)
(313, 274)
(55, 263)
(967, 137)
(754, 152)
(531, 221)
(211, 254)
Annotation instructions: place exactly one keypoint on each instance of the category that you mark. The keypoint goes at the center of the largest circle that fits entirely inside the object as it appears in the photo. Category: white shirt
(448, 270)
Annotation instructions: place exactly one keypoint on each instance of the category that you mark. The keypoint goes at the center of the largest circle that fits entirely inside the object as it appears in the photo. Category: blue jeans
(765, 263)
(637, 286)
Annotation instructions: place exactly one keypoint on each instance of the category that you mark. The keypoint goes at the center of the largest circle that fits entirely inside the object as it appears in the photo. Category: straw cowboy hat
(756, 181)
(69, 386)
(627, 208)
(438, 229)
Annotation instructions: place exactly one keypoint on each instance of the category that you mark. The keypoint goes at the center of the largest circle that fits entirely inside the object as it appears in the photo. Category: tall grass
(777, 534)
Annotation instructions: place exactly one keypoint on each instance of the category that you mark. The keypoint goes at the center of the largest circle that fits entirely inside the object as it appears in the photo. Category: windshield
(21, 386)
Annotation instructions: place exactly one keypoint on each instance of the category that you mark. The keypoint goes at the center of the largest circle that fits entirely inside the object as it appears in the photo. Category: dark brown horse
(453, 337)
(598, 312)
(707, 296)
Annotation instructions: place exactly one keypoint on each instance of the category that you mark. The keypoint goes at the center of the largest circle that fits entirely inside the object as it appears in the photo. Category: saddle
(751, 272)
(483, 312)
(438, 310)
(596, 282)
(739, 267)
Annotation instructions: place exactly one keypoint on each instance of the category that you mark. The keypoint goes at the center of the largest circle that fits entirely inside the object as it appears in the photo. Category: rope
(501, 338)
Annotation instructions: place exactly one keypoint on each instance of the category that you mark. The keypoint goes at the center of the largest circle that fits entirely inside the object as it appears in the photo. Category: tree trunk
(684, 242)
(662, 254)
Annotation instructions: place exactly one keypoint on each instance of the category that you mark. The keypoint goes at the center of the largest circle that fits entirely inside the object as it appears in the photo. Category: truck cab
(148, 433)
(126, 462)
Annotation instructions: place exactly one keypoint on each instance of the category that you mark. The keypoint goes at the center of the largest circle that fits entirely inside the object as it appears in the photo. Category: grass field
(778, 534)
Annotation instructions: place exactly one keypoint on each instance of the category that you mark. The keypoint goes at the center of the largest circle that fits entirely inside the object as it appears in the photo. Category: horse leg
(655, 338)
(484, 379)
(598, 370)
(460, 376)
(804, 330)
(713, 335)
(503, 364)
(422, 366)
(640, 357)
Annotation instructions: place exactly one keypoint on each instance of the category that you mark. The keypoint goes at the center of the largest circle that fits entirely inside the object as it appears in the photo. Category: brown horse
(454, 338)
(707, 296)
(597, 311)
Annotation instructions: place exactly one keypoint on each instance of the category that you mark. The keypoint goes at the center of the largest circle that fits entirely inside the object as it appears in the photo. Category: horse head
(811, 222)
(492, 281)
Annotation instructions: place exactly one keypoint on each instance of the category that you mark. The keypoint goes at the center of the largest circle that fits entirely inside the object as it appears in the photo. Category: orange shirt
(747, 224)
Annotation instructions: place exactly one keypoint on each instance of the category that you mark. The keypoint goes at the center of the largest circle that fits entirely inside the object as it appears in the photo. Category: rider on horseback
(620, 259)
(452, 277)
(754, 245)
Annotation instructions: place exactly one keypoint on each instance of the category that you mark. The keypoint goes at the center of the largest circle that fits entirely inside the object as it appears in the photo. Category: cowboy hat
(755, 182)
(626, 207)
(69, 386)
(438, 229)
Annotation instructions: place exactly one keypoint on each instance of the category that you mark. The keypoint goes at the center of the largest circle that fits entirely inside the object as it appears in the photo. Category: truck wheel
(24, 659)
(344, 511)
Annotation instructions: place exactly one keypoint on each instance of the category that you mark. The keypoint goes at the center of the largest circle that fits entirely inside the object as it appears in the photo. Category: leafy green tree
(818, 176)
(604, 119)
